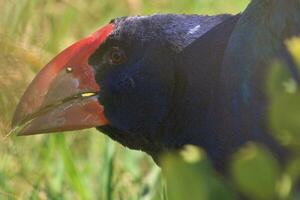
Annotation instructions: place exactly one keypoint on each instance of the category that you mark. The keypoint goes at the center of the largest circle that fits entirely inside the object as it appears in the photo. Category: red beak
(63, 96)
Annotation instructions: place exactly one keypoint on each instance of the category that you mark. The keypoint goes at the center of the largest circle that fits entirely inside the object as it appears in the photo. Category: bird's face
(118, 77)
(131, 68)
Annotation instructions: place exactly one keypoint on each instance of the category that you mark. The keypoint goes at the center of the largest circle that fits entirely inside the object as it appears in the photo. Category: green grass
(86, 164)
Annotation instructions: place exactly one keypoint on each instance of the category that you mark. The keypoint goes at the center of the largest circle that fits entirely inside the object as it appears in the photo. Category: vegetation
(88, 165)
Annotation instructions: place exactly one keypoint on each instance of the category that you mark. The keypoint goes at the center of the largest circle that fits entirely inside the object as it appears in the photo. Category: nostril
(69, 69)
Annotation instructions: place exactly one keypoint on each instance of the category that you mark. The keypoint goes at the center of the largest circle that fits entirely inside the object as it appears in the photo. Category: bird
(157, 83)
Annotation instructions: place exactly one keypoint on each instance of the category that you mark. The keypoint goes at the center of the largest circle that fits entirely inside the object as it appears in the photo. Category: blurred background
(88, 165)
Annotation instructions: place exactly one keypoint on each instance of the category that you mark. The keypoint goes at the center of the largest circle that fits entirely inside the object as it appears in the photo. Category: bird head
(120, 79)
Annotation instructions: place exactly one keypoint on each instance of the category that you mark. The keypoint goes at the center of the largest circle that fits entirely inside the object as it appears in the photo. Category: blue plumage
(201, 83)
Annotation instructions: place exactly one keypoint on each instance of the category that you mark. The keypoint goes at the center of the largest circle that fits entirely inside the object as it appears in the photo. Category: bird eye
(117, 56)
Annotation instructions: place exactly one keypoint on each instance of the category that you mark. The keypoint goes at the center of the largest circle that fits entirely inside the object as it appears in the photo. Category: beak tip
(16, 119)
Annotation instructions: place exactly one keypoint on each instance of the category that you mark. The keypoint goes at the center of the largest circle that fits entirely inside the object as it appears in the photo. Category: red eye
(117, 56)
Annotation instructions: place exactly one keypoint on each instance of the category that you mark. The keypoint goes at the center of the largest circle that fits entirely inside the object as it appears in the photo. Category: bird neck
(207, 110)
(194, 117)
(278, 17)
